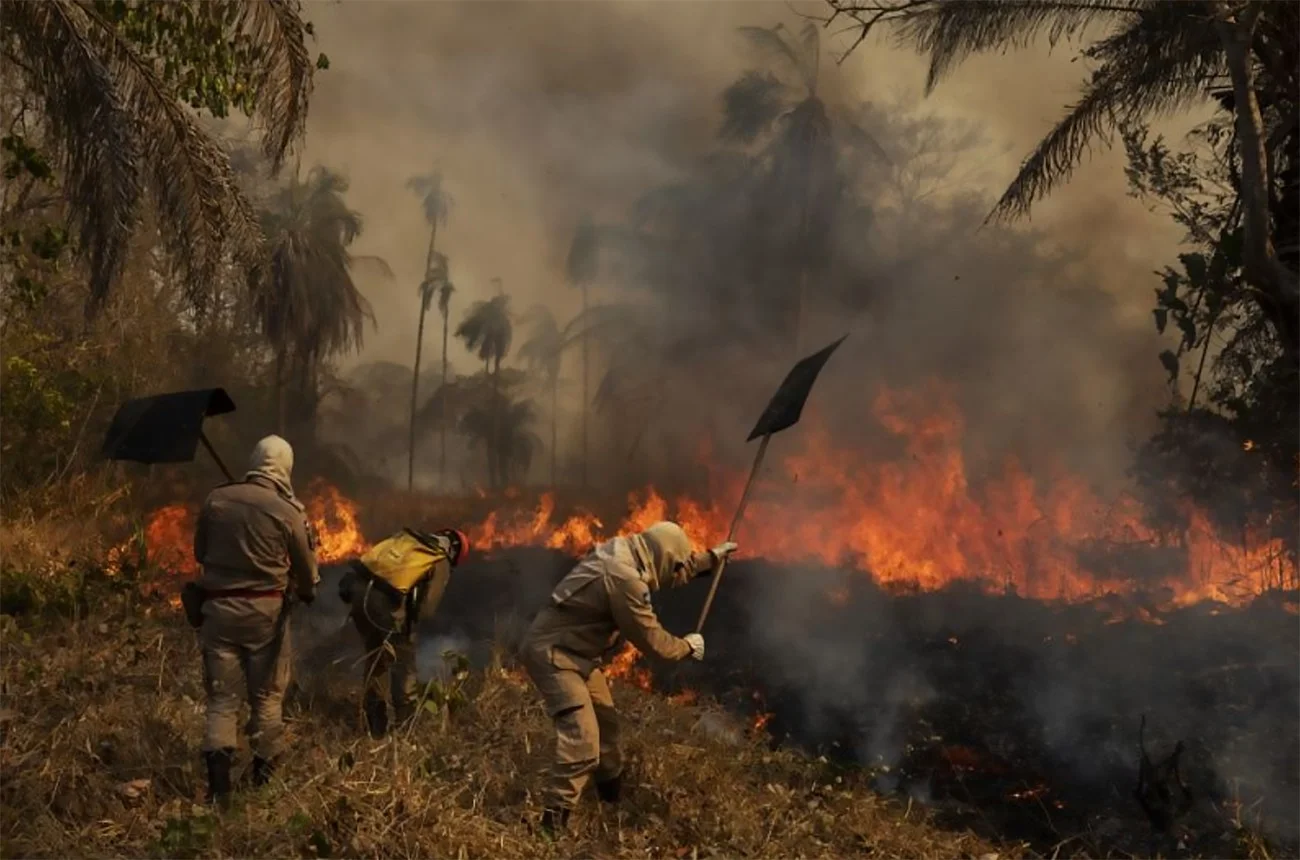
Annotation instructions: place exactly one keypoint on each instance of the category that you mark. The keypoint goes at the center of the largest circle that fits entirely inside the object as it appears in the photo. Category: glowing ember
(685, 697)
(758, 723)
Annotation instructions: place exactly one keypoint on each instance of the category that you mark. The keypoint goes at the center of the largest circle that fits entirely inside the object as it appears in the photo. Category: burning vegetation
(913, 521)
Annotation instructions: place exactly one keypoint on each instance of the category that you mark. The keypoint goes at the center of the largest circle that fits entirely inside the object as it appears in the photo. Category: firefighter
(254, 546)
(602, 601)
(389, 588)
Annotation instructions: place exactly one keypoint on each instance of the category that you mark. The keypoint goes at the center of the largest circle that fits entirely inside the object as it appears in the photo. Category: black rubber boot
(377, 718)
(219, 762)
(263, 770)
(555, 821)
(610, 790)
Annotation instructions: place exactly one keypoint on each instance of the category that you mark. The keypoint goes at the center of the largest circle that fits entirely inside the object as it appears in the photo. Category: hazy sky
(538, 112)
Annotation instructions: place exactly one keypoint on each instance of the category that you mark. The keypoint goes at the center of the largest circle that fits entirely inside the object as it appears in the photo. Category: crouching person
(390, 587)
(601, 601)
(253, 544)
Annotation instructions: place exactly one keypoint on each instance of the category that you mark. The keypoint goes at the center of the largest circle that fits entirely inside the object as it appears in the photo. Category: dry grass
(102, 720)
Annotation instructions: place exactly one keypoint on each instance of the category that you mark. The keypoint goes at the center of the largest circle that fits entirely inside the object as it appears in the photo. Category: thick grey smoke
(540, 114)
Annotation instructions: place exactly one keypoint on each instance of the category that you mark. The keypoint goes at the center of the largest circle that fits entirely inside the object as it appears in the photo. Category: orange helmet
(459, 545)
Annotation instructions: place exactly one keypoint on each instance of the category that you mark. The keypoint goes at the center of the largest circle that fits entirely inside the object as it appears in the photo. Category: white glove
(696, 641)
(723, 551)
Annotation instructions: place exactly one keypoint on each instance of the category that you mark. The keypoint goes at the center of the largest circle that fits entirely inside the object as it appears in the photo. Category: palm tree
(309, 308)
(789, 117)
(437, 205)
(487, 330)
(581, 266)
(542, 352)
(444, 307)
(502, 426)
(1154, 58)
(112, 95)
(436, 281)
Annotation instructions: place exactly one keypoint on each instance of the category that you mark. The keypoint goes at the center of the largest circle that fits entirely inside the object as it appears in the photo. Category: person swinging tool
(389, 588)
(602, 601)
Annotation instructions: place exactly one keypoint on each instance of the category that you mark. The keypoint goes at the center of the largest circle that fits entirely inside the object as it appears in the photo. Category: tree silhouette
(542, 352)
(445, 290)
(436, 281)
(115, 84)
(309, 308)
(787, 119)
(487, 331)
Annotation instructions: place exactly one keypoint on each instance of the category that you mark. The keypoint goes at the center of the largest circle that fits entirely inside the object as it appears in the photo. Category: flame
(334, 517)
(758, 723)
(623, 667)
(169, 538)
(684, 697)
(916, 520)
(910, 519)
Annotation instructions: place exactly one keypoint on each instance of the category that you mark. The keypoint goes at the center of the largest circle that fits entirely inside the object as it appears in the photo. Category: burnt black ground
(1012, 717)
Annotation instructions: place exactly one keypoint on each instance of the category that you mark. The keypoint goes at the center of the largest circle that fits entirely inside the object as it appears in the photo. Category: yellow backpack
(402, 560)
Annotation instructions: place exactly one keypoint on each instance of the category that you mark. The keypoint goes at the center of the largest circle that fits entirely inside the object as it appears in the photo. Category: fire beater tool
(166, 428)
(782, 412)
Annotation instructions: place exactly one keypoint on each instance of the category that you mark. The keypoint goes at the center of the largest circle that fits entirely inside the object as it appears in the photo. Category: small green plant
(186, 836)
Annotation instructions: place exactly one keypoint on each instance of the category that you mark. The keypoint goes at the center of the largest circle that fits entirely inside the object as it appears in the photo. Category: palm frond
(487, 328)
(444, 297)
(90, 123)
(952, 30)
(310, 307)
(1152, 67)
(750, 105)
(434, 197)
(773, 42)
(810, 40)
(285, 82)
(118, 130)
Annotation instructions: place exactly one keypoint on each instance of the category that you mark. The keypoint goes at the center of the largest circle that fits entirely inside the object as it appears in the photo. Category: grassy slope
(98, 755)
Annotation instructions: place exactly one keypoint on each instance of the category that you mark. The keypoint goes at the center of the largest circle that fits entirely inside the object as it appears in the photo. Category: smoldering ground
(1014, 717)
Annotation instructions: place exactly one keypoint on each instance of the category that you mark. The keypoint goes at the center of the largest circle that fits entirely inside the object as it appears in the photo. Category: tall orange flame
(914, 520)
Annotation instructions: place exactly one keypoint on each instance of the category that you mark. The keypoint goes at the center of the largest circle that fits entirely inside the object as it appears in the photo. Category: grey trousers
(246, 650)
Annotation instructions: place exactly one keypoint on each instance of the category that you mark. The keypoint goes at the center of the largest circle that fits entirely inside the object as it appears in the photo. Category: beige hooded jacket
(607, 597)
(253, 534)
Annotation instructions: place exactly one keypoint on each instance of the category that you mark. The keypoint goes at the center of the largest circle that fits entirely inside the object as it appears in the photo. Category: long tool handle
(731, 534)
(203, 437)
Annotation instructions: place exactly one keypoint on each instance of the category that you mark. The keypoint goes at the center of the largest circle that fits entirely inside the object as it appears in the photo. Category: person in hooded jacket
(254, 546)
(602, 602)
(389, 587)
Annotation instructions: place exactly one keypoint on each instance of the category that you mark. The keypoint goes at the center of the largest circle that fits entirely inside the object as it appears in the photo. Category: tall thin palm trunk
(502, 464)
(442, 442)
(279, 390)
(419, 348)
(555, 386)
(586, 399)
(415, 390)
